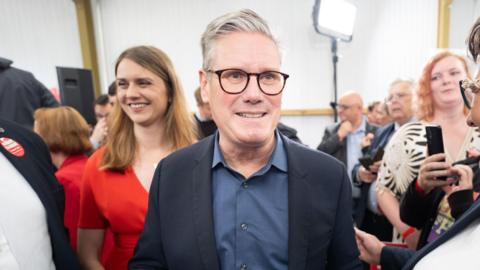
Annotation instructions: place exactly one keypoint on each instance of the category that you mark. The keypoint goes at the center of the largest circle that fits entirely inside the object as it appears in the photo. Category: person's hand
(375, 167)
(369, 246)
(365, 175)
(412, 239)
(465, 178)
(473, 152)
(367, 140)
(100, 131)
(345, 129)
(432, 167)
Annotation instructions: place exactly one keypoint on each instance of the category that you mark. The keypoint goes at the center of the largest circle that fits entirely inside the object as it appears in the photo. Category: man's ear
(202, 76)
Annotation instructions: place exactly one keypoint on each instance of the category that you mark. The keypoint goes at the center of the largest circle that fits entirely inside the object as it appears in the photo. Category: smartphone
(378, 154)
(366, 161)
(435, 142)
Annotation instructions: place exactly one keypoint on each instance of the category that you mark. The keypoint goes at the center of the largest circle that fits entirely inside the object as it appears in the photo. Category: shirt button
(245, 185)
(243, 266)
(244, 226)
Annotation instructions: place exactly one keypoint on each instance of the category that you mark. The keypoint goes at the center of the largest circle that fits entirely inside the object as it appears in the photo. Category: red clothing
(70, 176)
(117, 201)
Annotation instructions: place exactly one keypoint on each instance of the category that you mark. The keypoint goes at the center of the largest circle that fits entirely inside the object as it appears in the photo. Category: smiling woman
(150, 123)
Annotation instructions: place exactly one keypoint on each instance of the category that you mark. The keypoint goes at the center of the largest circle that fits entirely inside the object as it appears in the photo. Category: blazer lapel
(298, 210)
(202, 207)
(467, 218)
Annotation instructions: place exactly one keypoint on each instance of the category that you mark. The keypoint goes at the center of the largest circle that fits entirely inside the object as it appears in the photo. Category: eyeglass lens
(236, 80)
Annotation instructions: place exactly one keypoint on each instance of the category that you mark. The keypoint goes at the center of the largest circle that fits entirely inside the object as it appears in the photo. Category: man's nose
(252, 92)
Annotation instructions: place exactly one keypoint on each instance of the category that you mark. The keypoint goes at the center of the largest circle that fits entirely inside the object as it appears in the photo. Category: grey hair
(244, 20)
(410, 82)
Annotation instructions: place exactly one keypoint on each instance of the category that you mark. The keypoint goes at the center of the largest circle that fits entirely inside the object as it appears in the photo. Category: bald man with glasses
(348, 140)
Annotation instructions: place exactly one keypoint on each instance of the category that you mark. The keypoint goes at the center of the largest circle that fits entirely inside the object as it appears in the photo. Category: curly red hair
(425, 107)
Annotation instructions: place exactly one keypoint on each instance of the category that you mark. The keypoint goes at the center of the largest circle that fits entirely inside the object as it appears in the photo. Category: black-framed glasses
(469, 88)
(235, 81)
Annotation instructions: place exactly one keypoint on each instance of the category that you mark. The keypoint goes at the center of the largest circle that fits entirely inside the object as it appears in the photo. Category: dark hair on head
(112, 89)
(474, 40)
(372, 105)
(101, 100)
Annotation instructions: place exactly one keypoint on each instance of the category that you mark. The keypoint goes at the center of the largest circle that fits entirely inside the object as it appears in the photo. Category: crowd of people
(151, 186)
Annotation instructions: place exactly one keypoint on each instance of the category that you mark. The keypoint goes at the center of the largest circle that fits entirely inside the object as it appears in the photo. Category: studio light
(334, 19)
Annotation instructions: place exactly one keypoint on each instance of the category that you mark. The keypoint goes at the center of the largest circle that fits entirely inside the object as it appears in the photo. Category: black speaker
(77, 91)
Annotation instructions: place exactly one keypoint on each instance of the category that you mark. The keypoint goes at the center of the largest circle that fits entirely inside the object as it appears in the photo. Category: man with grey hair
(248, 197)
(401, 109)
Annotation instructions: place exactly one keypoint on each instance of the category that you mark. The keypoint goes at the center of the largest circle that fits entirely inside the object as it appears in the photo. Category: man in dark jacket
(400, 108)
(347, 140)
(21, 94)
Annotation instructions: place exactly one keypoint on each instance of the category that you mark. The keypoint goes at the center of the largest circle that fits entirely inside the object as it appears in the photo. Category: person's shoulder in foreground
(34, 163)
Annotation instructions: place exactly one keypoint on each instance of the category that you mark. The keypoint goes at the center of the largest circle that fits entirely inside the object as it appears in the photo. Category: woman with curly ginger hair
(458, 248)
(407, 168)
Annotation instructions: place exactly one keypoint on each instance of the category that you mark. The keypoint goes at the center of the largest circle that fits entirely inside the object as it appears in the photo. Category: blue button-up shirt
(354, 148)
(251, 215)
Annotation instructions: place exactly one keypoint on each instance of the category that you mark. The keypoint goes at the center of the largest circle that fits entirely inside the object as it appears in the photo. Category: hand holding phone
(368, 160)
(378, 154)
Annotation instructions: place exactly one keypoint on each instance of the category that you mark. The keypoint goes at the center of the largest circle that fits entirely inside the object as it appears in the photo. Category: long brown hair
(179, 128)
(425, 108)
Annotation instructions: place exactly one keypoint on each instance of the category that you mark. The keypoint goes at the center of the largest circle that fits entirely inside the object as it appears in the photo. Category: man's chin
(256, 139)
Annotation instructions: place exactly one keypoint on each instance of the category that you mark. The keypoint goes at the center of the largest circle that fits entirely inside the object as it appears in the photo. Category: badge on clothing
(12, 146)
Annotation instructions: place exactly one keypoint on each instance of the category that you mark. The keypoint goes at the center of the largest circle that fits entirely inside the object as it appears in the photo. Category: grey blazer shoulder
(331, 144)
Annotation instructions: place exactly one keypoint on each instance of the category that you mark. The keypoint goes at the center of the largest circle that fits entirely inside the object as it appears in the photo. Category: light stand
(333, 104)
(334, 19)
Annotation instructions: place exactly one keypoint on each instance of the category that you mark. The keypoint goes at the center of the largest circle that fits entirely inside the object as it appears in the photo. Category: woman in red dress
(66, 134)
(148, 122)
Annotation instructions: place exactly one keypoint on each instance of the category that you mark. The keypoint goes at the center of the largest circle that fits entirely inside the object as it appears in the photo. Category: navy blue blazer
(382, 136)
(36, 167)
(179, 231)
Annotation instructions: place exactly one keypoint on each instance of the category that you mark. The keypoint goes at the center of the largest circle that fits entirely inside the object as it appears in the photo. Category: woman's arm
(90, 242)
(391, 209)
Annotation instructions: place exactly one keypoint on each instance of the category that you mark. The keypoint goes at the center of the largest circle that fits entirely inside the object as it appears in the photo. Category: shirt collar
(277, 159)
(363, 126)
